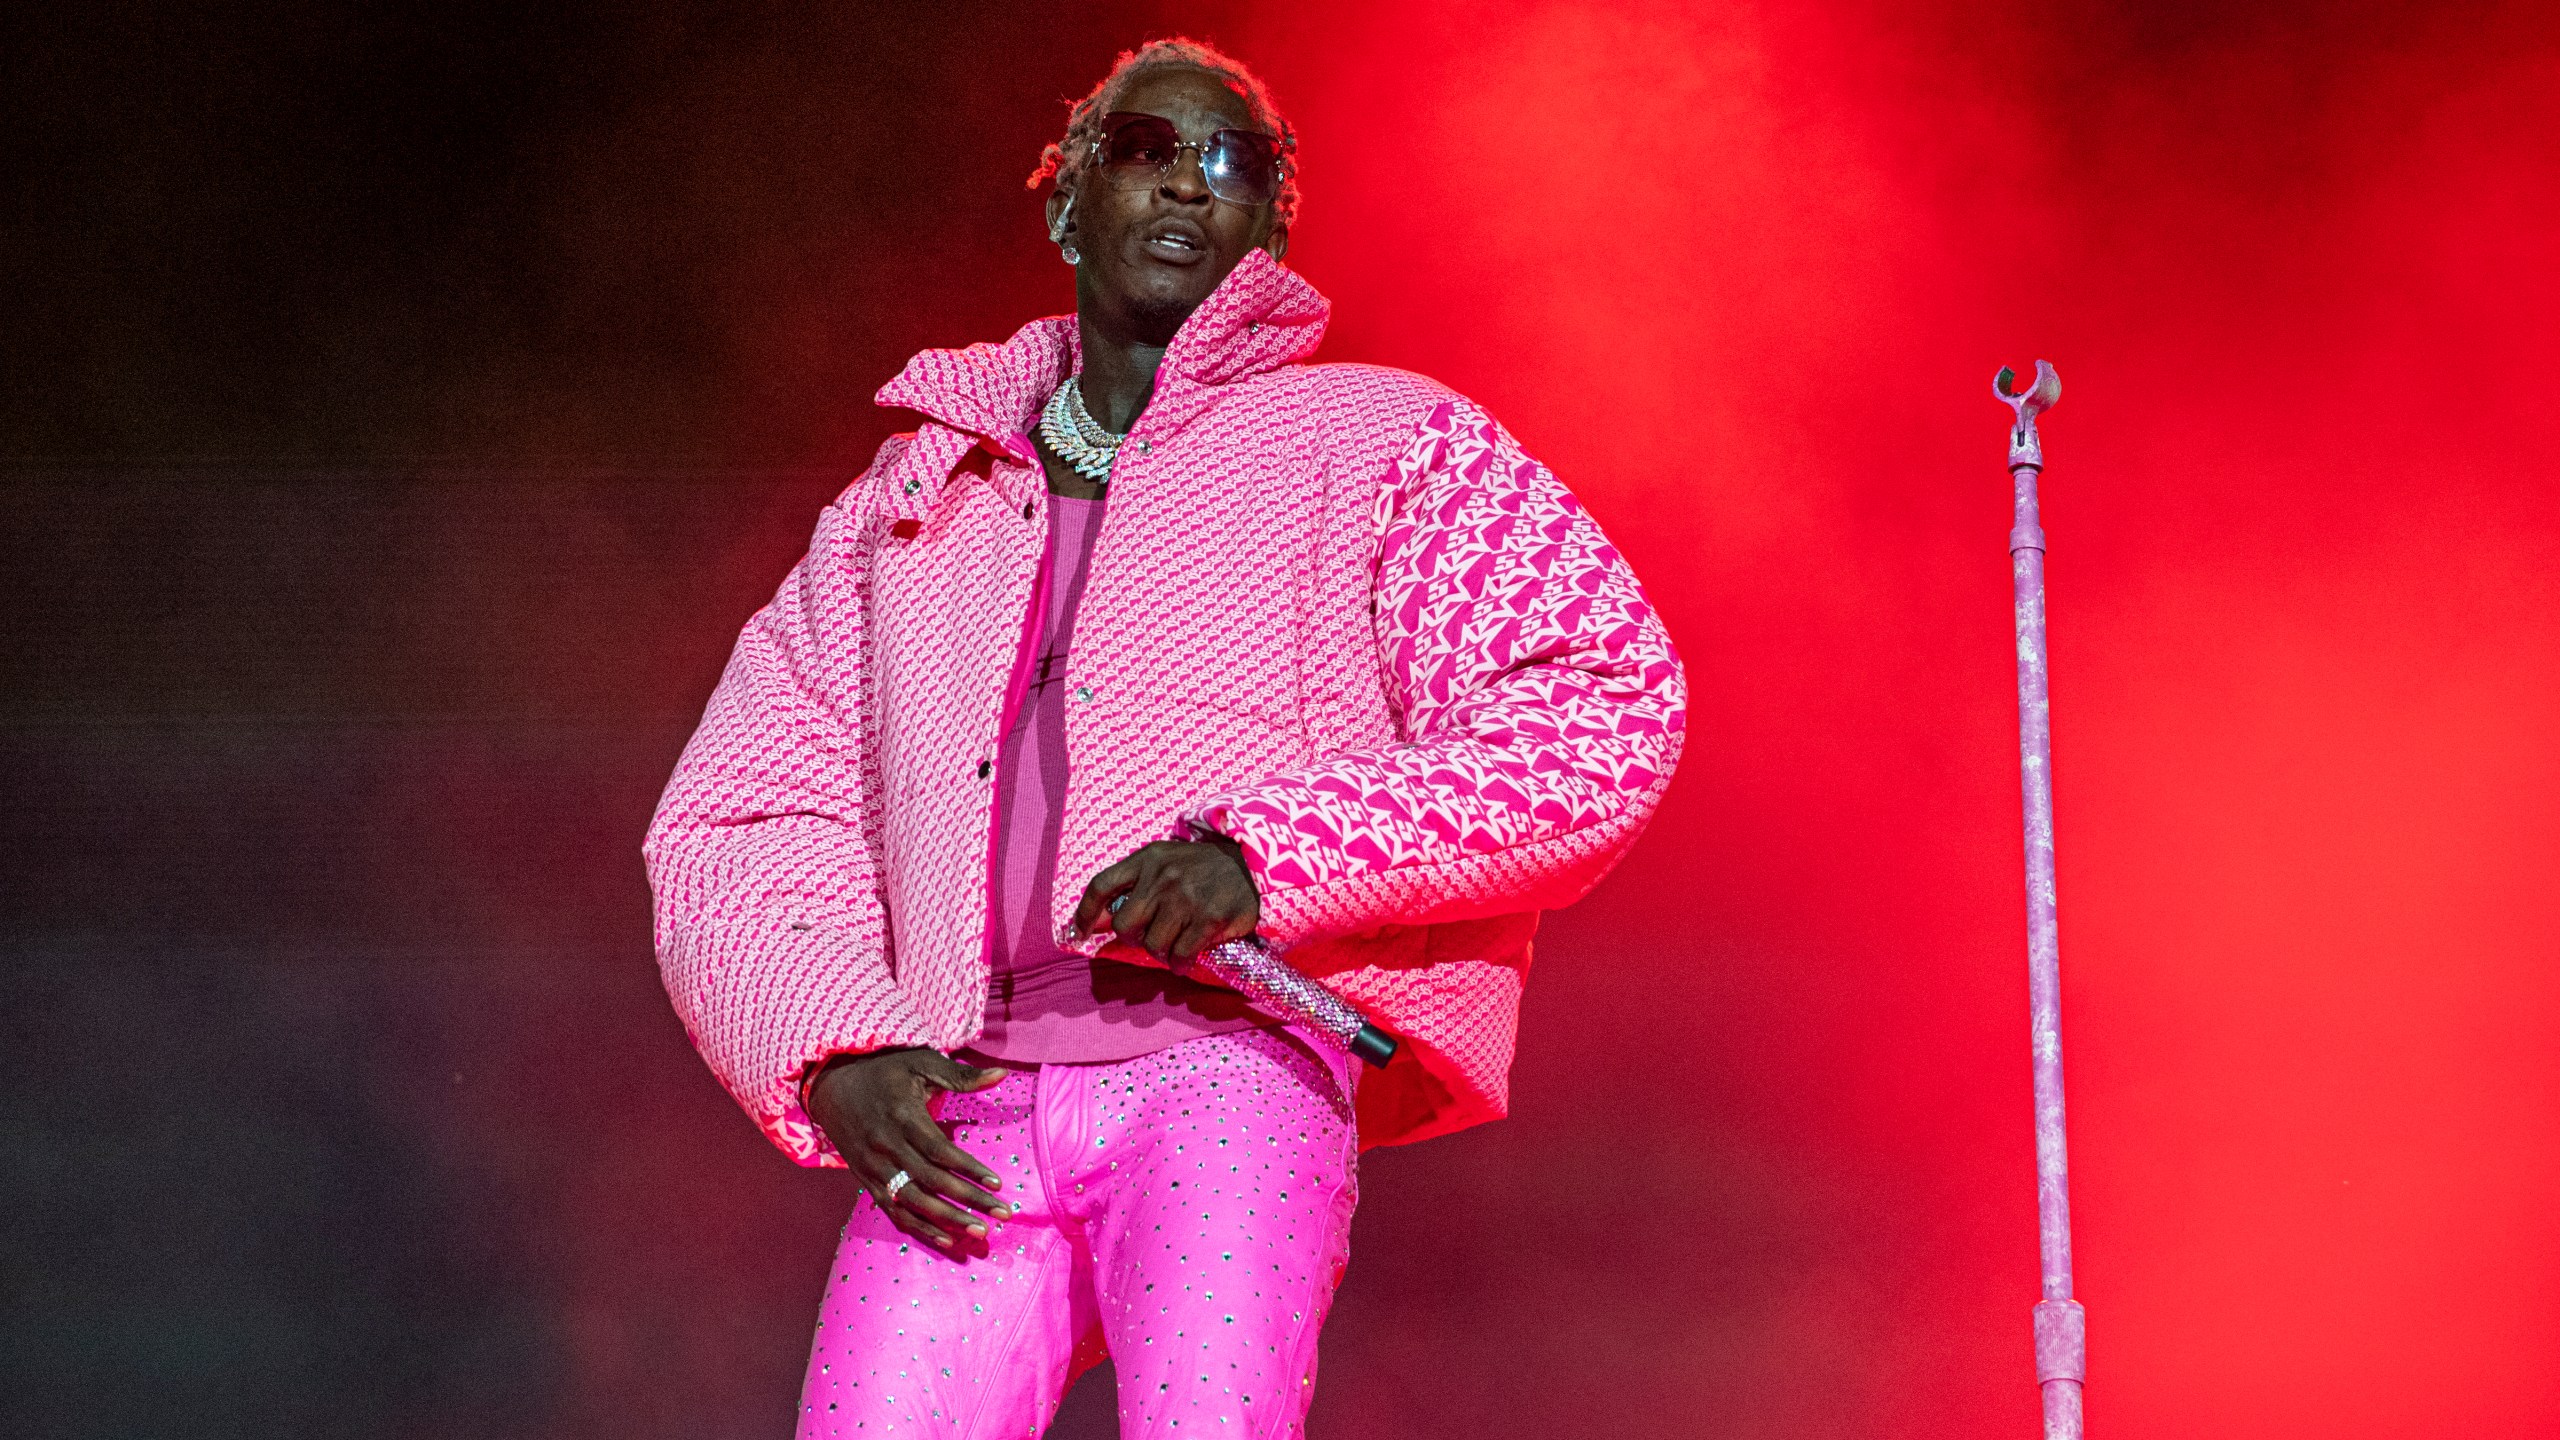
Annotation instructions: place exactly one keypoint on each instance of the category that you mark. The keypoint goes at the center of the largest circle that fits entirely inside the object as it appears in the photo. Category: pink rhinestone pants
(1187, 1213)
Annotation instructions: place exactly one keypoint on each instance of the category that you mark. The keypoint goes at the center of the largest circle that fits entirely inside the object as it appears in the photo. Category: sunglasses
(1243, 167)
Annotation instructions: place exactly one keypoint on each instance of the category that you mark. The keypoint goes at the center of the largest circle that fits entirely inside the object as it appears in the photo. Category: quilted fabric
(1335, 612)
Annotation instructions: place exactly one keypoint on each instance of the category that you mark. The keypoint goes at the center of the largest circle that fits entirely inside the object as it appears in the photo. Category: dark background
(403, 406)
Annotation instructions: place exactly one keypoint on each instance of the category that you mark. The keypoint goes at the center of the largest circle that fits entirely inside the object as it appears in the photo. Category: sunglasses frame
(1280, 149)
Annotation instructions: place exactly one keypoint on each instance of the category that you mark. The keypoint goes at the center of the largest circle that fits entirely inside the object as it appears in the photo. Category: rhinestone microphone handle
(1258, 973)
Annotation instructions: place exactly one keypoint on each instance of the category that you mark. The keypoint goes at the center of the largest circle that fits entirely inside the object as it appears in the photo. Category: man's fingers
(972, 1184)
(1236, 927)
(927, 1139)
(1110, 883)
(909, 1223)
(950, 1074)
(875, 1171)
(1173, 899)
(925, 1152)
(931, 1195)
(1129, 922)
(904, 1213)
(1199, 935)
(1166, 924)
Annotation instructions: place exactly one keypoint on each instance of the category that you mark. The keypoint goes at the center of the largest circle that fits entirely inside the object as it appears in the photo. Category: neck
(1119, 375)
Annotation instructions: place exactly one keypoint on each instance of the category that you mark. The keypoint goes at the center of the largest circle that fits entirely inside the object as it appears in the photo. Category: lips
(1176, 242)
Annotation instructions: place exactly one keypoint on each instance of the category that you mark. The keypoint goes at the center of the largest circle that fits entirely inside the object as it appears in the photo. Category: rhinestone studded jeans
(1186, 1213)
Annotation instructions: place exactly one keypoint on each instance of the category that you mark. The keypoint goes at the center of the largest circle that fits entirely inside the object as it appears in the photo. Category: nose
(1187, 179)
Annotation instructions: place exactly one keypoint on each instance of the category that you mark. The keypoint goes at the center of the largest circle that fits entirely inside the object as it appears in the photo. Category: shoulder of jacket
(891, 451)
(933, 446)
(1380, 386)
(1373, 412)
(872, 476)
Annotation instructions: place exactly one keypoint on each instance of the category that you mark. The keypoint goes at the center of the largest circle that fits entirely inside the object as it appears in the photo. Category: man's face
(1151, 254)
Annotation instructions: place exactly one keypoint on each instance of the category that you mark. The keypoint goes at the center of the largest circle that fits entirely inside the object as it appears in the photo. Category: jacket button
(983, 769)
(1084, 692)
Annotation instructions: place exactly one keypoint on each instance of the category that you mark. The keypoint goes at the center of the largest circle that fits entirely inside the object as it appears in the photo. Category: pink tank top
(1046, 1005)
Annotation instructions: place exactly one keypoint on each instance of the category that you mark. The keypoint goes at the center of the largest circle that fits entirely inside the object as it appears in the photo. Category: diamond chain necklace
(1078, 438)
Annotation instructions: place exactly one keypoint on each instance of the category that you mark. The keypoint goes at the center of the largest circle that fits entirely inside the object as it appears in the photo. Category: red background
(509, 357)
(1741, 274)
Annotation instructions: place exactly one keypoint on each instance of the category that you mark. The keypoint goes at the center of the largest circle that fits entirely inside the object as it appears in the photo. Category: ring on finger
(896, 1183)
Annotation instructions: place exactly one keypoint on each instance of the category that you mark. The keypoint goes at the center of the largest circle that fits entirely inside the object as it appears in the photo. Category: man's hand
(873, 1107)
(1178, 898)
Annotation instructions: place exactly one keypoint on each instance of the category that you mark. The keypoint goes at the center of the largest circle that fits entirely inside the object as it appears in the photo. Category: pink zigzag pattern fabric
(1335, 612)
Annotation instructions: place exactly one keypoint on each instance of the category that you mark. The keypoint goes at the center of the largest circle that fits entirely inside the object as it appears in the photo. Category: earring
(1058, 234)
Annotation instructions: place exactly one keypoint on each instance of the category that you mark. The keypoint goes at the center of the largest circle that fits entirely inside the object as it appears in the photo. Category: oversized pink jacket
(1334, 613)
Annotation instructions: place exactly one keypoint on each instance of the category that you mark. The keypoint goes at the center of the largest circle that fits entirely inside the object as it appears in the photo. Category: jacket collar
(1261, 317)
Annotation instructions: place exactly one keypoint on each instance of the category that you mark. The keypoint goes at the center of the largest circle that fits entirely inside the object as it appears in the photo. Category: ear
(1061, 214)
(1277, 243)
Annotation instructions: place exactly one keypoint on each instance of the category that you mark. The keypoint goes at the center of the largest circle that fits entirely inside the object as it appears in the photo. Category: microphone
(1256, 971)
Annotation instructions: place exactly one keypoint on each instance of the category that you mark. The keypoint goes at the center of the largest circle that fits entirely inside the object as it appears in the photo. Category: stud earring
(1068, 254)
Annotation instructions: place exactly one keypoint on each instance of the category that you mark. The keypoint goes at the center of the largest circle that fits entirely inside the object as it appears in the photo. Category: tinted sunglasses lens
(1138, 148)
(1241, 166)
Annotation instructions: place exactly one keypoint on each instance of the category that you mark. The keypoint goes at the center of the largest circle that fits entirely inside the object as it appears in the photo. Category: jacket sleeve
(771, 929)
(1538, 694)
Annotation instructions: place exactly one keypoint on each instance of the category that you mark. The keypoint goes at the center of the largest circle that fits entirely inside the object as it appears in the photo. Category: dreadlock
(1065, 161)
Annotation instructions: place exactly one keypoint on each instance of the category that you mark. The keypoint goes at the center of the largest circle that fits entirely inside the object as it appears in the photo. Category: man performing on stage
(1151, 635)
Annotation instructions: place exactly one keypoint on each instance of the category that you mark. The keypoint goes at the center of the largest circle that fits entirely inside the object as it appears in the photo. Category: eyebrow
(1245, 124)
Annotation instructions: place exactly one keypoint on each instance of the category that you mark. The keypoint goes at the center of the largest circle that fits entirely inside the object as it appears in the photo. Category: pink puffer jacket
(1334, 613)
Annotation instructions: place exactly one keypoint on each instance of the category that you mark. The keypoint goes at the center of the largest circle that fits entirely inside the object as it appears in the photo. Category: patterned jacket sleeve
(771, 929)
(1539, 695)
